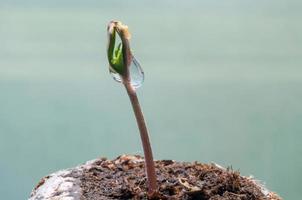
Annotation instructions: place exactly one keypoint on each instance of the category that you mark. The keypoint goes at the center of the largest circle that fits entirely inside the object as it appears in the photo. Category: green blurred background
(223, 84)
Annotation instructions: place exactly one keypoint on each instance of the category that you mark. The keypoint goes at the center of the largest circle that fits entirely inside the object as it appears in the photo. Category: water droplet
(136, 74)
(115, 76)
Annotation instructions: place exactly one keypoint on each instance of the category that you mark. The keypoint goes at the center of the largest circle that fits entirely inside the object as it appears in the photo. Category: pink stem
(151, 176)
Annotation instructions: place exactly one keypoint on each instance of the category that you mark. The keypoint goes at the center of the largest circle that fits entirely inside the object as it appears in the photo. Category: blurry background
(223, 84)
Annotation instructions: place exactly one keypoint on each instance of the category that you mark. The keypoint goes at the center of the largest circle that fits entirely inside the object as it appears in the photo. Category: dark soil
(124, 178)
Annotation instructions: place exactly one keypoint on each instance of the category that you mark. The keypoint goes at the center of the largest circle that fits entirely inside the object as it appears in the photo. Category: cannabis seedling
(125, 69)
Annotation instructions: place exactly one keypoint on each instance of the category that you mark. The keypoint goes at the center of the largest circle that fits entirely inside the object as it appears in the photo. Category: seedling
(125, 69)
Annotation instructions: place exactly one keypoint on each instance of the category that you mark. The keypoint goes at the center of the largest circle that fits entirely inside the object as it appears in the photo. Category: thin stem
(151, 176)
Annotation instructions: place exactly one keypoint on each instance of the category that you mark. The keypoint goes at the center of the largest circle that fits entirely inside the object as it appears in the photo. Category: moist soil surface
(124, 178)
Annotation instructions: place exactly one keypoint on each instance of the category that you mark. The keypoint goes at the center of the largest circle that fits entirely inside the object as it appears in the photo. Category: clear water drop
(115, 76)
(136, 74)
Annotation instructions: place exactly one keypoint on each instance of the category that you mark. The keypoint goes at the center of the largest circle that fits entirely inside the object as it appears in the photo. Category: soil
(124, 178)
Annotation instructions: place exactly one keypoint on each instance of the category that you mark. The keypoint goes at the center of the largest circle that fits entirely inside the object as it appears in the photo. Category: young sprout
(125, 69)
